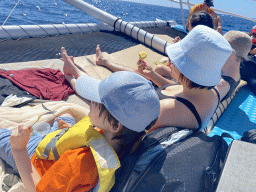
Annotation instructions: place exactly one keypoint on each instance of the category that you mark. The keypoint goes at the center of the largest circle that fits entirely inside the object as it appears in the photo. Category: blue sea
(37, 12)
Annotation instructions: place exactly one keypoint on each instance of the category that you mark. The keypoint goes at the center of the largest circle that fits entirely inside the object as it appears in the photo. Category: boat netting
(32, 49)
(39, 48)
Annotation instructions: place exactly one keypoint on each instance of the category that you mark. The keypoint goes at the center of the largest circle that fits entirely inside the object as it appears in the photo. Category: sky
(245, 8)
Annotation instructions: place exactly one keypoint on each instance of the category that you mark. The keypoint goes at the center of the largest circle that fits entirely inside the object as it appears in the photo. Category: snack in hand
(162, 63)
(142, 55)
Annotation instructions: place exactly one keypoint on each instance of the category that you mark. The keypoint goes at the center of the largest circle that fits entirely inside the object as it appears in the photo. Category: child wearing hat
(123, 105)
(241, 44)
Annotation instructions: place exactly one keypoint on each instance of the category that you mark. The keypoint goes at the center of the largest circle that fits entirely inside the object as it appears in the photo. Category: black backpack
(191, 164)
(248, 72)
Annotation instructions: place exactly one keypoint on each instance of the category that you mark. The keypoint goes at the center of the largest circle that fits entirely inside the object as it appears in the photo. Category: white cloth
(13, 100)
(10, 118)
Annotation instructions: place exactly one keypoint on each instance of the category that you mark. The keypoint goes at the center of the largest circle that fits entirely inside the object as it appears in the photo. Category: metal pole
(121, 25)
(93, 11)
(189, 5)
(182, 14)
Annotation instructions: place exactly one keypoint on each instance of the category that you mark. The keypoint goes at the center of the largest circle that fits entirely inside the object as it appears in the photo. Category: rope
(97, 26)
(152, 40)
(24, 30)
(121, 26)
(66, 28)
(131, 30)
(79, 28)
(56, 29)
(145, 37)
(7, 33)
(138, 34)
(115, 23)
(44, 30)
(125, 26)
(10, 13)
(89, 27)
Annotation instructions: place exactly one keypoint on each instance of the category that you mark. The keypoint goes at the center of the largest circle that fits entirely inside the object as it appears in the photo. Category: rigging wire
(172, 14)
(10, 13)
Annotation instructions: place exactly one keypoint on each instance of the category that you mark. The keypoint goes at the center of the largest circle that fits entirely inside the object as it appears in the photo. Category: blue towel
(239, 117)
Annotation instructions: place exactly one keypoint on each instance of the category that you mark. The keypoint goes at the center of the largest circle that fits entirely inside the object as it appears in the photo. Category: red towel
(50, 84)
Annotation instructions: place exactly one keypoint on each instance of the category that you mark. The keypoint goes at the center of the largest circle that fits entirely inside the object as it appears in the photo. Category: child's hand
(20, 137)
(144, 69)
(62, 124)
(177, 39)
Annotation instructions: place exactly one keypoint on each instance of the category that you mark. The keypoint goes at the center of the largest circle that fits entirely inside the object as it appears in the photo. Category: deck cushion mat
(239, 117)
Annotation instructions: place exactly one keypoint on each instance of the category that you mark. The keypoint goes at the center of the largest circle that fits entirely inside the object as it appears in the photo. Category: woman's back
(186, 108)
(197, 61)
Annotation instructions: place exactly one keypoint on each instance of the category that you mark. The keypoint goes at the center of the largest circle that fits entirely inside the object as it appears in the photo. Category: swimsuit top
(186, 102)
(232, 83)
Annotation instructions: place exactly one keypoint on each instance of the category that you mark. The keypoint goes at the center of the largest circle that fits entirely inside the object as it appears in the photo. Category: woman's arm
(218, 21)
(19, 140)
(147, 71)
(223, 88)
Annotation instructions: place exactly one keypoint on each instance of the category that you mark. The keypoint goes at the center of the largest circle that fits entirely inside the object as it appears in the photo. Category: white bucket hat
(201, 55)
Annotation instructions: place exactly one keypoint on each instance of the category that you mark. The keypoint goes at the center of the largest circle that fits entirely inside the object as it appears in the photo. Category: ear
(116, 128)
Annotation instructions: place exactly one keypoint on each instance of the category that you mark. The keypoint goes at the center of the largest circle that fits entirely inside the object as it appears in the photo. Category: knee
(5, 133)
(67, 113)
(159, 69)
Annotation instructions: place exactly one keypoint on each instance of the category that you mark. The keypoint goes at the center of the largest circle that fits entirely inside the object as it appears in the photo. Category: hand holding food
(142, 56)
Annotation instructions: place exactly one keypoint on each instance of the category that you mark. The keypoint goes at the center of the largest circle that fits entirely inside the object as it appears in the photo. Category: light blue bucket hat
(129, 97)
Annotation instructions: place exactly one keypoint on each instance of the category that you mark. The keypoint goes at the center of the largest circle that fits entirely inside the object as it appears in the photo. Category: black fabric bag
(191, 164)
(248, 68)
(248, 72)
(249, 136)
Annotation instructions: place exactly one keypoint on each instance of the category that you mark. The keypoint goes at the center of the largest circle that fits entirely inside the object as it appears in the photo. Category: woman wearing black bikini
(196, 65)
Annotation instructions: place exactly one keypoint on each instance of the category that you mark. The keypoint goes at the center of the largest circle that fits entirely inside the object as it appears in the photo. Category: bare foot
(69, 67)
(99, 57)
(72, 59)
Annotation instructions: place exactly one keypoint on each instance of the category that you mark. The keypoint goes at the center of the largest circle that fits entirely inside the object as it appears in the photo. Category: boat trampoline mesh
(32, 49)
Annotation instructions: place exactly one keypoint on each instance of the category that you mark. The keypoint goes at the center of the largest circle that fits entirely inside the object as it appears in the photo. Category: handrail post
(183, 18)
(188, 5)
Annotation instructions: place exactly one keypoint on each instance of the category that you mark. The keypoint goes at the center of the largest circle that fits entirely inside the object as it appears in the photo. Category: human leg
(164, 71)
(101, 61)
(69, 66)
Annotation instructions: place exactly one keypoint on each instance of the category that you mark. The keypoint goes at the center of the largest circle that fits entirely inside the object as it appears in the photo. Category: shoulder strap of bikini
(191, 107)
(218, 94)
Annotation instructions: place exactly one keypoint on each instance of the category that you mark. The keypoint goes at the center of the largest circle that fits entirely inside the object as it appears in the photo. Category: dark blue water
(30, 12)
